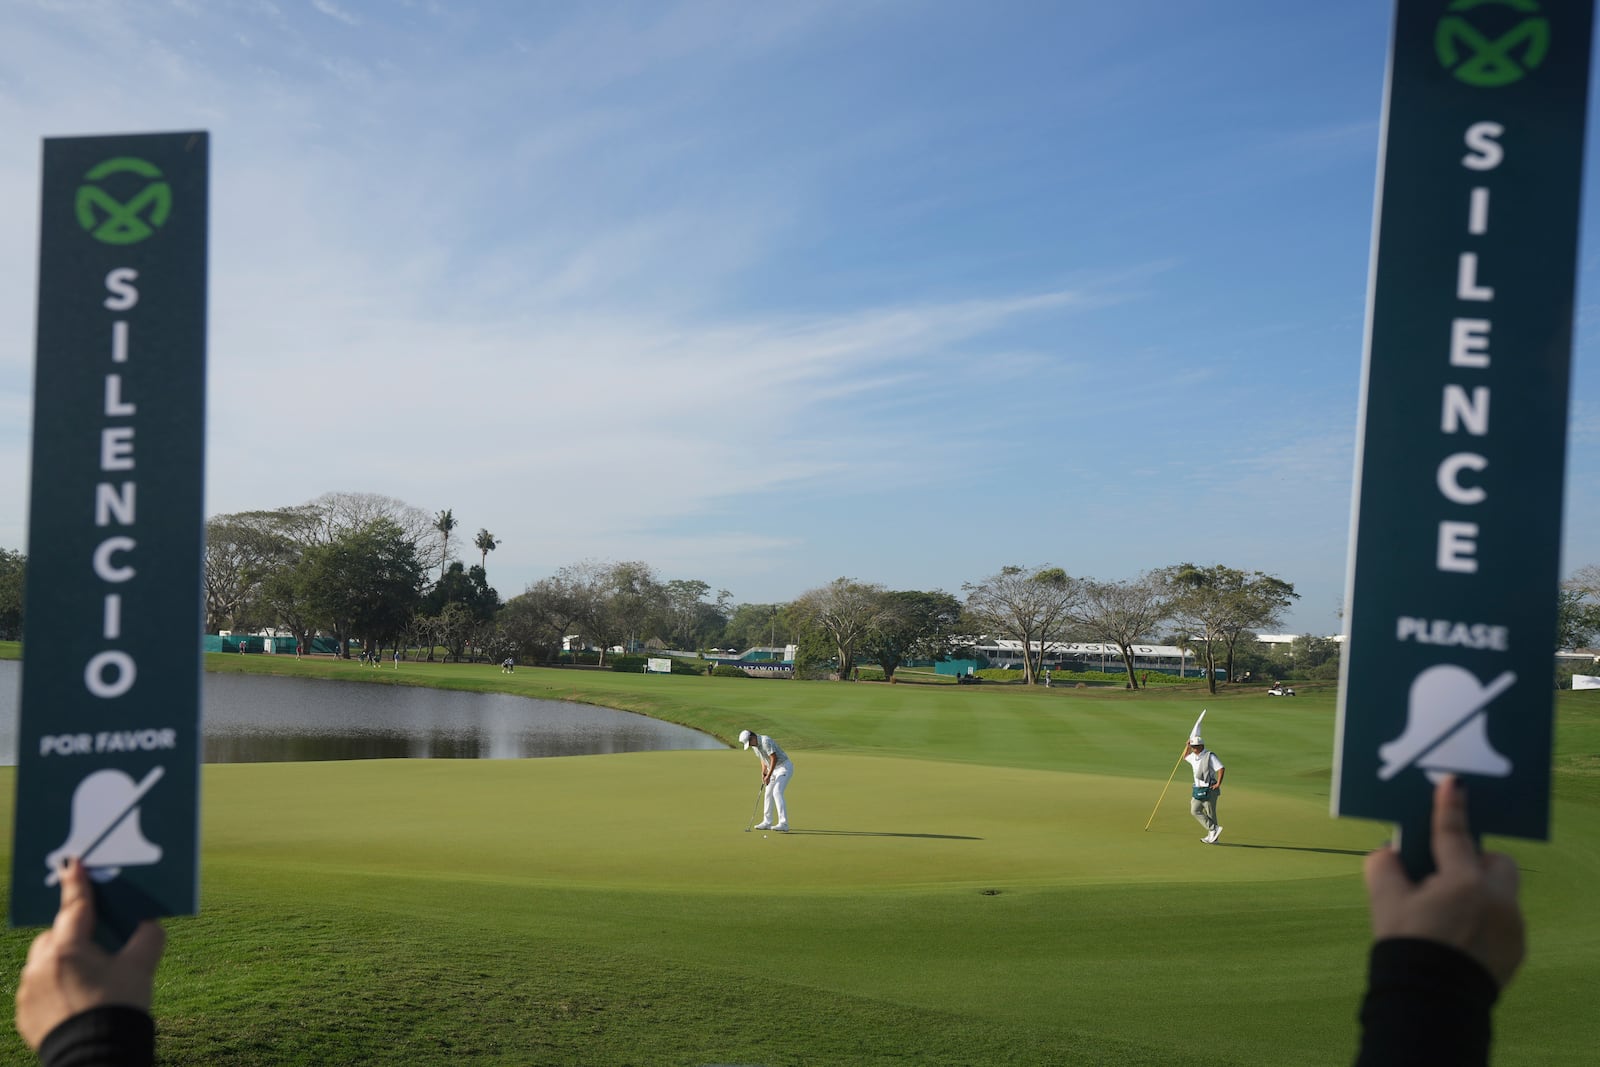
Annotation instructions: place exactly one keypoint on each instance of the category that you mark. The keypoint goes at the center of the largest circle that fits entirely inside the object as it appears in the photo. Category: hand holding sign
(1469, 902)
(67, 973)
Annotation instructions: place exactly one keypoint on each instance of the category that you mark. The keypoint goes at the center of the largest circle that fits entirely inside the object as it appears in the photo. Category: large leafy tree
(533, 624)
(13, 571)
(849, 612)
(1578, 609)
(366, 584)
(1030, 605)
(689, 621)
(243, 552)
(757, 624)
(464, 600)
(1124, 612)
(915, 625)
(1217, 604)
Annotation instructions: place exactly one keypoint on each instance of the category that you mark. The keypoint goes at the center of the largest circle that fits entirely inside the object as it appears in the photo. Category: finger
(1384, 873)
(145, 947)
(75, 920)
(1453, 848)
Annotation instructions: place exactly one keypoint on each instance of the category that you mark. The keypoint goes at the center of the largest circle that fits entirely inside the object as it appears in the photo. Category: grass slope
(971, 883)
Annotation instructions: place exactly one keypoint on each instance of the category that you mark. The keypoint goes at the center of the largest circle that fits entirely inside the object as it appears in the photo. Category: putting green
(674, 820)
(969, 881)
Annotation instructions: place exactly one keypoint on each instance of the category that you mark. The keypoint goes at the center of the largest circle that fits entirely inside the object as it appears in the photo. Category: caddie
(1208, 772)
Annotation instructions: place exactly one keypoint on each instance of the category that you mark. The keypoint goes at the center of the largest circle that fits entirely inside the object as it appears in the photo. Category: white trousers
(774, 795)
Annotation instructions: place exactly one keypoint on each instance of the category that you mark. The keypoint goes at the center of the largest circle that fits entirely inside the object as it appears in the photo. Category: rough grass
(971, 884)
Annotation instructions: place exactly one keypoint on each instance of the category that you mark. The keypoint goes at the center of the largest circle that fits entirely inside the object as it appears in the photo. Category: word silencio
(111, 673)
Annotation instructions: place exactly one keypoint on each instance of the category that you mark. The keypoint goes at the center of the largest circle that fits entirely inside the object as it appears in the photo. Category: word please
(1452, 634)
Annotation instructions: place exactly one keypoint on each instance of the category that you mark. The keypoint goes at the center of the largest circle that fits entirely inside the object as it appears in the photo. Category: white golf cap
(744, 737)
(1195, 740)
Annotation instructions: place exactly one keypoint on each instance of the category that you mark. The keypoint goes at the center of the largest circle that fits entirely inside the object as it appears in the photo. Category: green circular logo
(123, 222)
(1494, 48)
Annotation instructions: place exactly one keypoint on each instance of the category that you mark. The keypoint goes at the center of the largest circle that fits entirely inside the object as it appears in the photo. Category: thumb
(75, 917)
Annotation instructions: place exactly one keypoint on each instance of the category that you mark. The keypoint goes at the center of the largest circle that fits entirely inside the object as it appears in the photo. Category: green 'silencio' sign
(108, 741)
(1456, 534)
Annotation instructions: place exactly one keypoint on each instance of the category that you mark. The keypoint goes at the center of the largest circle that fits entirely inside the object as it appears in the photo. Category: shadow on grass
(882, 833)
(1298, 848)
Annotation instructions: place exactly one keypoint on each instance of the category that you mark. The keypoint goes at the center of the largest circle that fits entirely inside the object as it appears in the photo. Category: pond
(260, 719)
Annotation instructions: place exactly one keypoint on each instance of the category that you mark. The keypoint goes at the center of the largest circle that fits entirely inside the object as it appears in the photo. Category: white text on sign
(1467, 409)
(1452, 634)
(111, 673)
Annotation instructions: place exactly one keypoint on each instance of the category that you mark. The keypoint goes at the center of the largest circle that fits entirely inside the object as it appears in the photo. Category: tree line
(377, 571)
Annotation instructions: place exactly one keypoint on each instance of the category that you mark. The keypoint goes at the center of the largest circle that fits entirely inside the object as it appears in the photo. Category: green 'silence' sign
(108, 742)
(1455, 548)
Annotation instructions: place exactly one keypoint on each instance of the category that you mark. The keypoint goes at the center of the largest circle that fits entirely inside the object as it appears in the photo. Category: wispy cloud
(760, 293)
(334, 11)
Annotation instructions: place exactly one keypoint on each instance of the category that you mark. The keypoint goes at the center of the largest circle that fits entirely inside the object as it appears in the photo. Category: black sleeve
(112, 1036)
(1426, 1003)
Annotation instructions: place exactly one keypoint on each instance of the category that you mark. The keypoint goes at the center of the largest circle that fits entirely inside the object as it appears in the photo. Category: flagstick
(1192, 733)
(1164, 788)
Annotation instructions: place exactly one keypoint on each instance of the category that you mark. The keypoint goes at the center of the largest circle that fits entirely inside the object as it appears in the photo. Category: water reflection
(258, 719)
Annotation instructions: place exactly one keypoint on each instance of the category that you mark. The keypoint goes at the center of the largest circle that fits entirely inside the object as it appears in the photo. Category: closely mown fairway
(970, 882)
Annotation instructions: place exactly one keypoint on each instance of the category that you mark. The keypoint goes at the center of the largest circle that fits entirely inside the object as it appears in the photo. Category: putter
(761, 793)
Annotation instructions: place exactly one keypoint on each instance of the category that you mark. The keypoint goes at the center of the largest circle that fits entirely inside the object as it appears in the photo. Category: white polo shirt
(767, 747)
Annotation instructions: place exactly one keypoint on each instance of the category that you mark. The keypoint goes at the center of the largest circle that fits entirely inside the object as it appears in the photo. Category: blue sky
(766, 294)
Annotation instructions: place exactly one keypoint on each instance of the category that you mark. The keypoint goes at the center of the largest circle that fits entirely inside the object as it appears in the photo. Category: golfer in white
(1208, 771)
(776, 772)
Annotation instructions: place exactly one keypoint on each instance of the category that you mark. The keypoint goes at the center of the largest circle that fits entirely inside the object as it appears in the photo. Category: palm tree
(486, 544)
(444, 522)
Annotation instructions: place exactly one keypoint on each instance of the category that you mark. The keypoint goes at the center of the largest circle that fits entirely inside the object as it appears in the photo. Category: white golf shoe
(763, 826)
(782, 828)
(1216, 833)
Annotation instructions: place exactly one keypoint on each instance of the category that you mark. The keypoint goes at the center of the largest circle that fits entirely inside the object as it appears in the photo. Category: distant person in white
(776, 772)
(1208, 771)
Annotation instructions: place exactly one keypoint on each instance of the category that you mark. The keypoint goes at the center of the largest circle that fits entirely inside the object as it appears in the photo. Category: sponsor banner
(1451, 598)
(108, 738)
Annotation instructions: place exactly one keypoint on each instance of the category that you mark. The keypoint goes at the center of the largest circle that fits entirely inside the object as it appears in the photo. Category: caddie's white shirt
(769, 748)
(1205, 765)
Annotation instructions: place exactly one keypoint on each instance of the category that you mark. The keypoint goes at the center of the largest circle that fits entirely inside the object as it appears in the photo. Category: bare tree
(849, 611)
(1023, 604)
(1125, 612)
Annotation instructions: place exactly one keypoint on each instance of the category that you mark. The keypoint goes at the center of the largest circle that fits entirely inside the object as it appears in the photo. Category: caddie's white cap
(1195, 740)
(744, 737)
